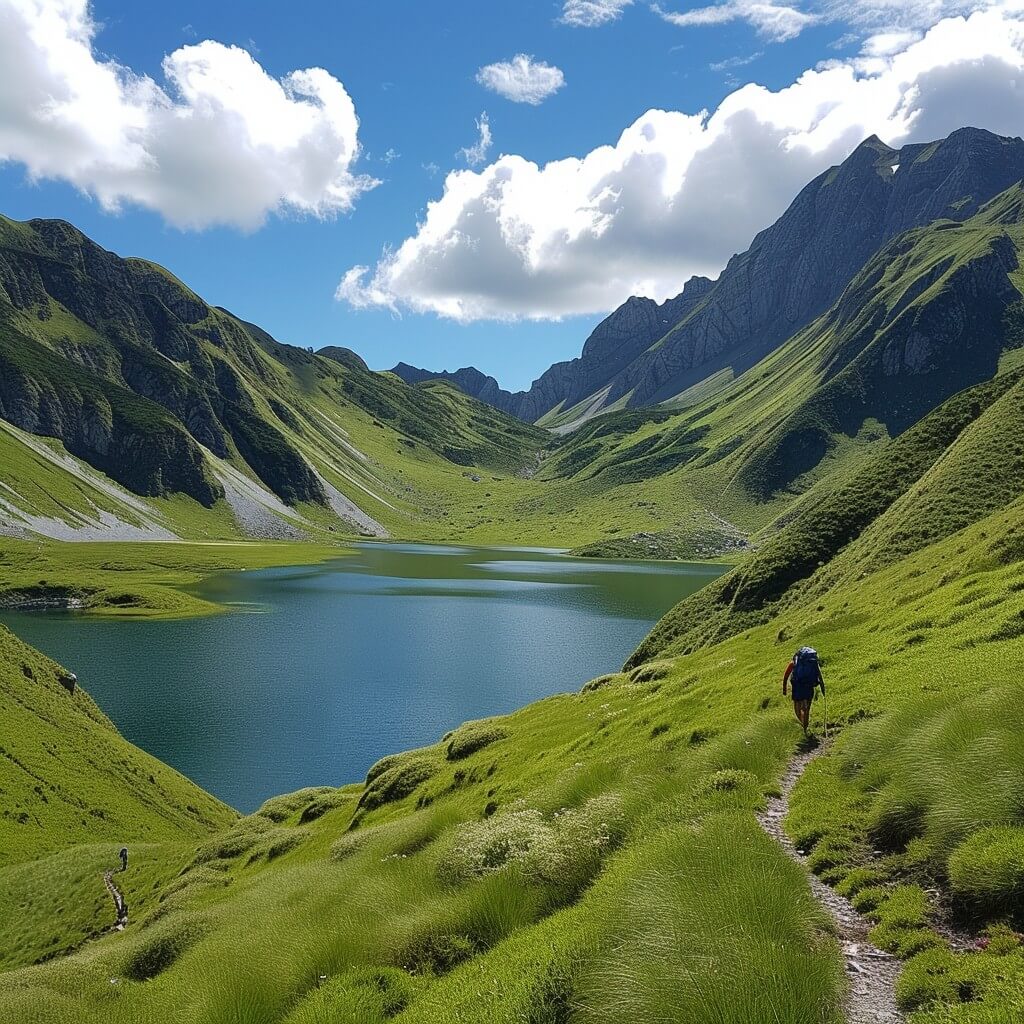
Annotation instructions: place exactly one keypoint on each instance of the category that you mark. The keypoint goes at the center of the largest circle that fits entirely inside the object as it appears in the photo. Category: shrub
(163, 946)
(323, 803)
(896, 821)
(565, 849)
(436, 953)
(933, 976)
(239, 839)
(858, 879)
(279, 808)
(599, 682)
(651, 672)
(385, 764)
(472, 737)
(345, 846)
(396, 782)
(726, 780)
(278, 843)
(986, 871)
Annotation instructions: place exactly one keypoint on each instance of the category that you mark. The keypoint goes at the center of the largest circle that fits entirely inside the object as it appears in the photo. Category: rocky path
(872, 974)
(119, 903)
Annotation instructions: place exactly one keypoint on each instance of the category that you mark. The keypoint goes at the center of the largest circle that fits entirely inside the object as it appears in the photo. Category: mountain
(931, 312)
(575, 859)
(793, 271)
(614, 344)
(468, 379)
(175, 417)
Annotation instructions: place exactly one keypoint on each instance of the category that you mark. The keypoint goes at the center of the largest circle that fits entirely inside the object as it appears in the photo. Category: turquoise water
(320, 670)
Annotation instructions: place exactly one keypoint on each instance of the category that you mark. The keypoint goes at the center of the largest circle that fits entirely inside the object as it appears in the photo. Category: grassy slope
(68, 778)
(598, 851)
(594, 857)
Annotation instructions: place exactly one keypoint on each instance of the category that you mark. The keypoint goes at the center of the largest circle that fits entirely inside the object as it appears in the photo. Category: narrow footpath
(119, 903)
(872, 973)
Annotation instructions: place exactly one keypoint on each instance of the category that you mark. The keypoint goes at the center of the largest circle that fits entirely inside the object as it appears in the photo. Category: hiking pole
(824, 700)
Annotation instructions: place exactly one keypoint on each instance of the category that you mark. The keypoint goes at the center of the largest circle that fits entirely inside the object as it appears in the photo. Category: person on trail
(124, 858)
(804, 672)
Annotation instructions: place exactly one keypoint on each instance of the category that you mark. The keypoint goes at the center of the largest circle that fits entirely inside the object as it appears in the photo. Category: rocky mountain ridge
(644, 354)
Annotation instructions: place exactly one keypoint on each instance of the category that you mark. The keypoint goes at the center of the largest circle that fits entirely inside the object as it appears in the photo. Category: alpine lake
(315, 672)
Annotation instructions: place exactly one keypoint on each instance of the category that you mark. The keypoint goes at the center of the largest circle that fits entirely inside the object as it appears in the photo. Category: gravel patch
(101, 526)
(258, 513)
(346, 509)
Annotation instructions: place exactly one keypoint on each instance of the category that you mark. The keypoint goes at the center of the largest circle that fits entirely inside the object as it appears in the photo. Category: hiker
(805, 673)
(124, 858)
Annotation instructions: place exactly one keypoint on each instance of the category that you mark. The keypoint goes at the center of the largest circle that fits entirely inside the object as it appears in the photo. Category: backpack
(805, 666)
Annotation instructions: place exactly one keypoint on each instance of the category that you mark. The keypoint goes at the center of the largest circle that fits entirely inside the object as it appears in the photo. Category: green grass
(577, 859)
(68, 777)
(593, 857)
(137, 579)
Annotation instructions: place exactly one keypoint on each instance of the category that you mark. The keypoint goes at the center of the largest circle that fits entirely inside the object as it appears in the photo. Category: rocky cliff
(791, 274)
(618, 340)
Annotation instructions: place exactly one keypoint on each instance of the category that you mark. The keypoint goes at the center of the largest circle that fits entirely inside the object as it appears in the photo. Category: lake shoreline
(380, 647)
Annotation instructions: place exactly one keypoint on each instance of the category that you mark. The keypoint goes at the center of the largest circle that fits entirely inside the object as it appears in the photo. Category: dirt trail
(118, 897)
(871, 973)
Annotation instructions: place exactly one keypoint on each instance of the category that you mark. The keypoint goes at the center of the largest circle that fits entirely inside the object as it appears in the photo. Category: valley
(287, 686)
(830, 432)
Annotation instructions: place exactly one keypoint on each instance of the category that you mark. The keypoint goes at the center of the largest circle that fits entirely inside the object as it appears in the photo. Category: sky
(450, 182)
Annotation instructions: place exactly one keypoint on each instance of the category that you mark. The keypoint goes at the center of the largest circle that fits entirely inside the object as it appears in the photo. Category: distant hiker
(124, 858)
(805, 673)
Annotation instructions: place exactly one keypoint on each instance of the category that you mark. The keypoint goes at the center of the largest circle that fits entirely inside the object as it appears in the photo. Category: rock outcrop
(791, 274)
(131, 370)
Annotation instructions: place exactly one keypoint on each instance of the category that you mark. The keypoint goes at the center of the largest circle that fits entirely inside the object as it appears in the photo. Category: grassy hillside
(594, 857)
(278, 442)
(72, 791)
(133, 375)
(68, 776)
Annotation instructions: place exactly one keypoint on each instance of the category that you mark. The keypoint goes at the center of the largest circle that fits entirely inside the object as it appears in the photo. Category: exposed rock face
(798, 268)
(792, 273)
(144, 374)
(619, 339)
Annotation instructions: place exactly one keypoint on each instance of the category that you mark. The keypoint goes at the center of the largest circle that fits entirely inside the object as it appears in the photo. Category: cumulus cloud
(522, 79)
(220, 142)
(591, 13)
(678, 192)
(776, 22)
(477, 153)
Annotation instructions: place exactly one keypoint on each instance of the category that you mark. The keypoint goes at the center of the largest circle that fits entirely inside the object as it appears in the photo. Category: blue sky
(410, 68)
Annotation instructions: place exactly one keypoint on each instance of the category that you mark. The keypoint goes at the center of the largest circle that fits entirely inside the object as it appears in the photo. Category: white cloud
(678, 193)
(477, 153)
(221, 142)
(730, 63)
(886, 23)
(591, 13)
(522, 79)
(777, 22)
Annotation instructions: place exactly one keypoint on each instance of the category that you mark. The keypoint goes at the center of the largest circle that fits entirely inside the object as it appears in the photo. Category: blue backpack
(805, 666)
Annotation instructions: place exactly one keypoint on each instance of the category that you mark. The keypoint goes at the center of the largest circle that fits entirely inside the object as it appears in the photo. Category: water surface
(320, 670)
